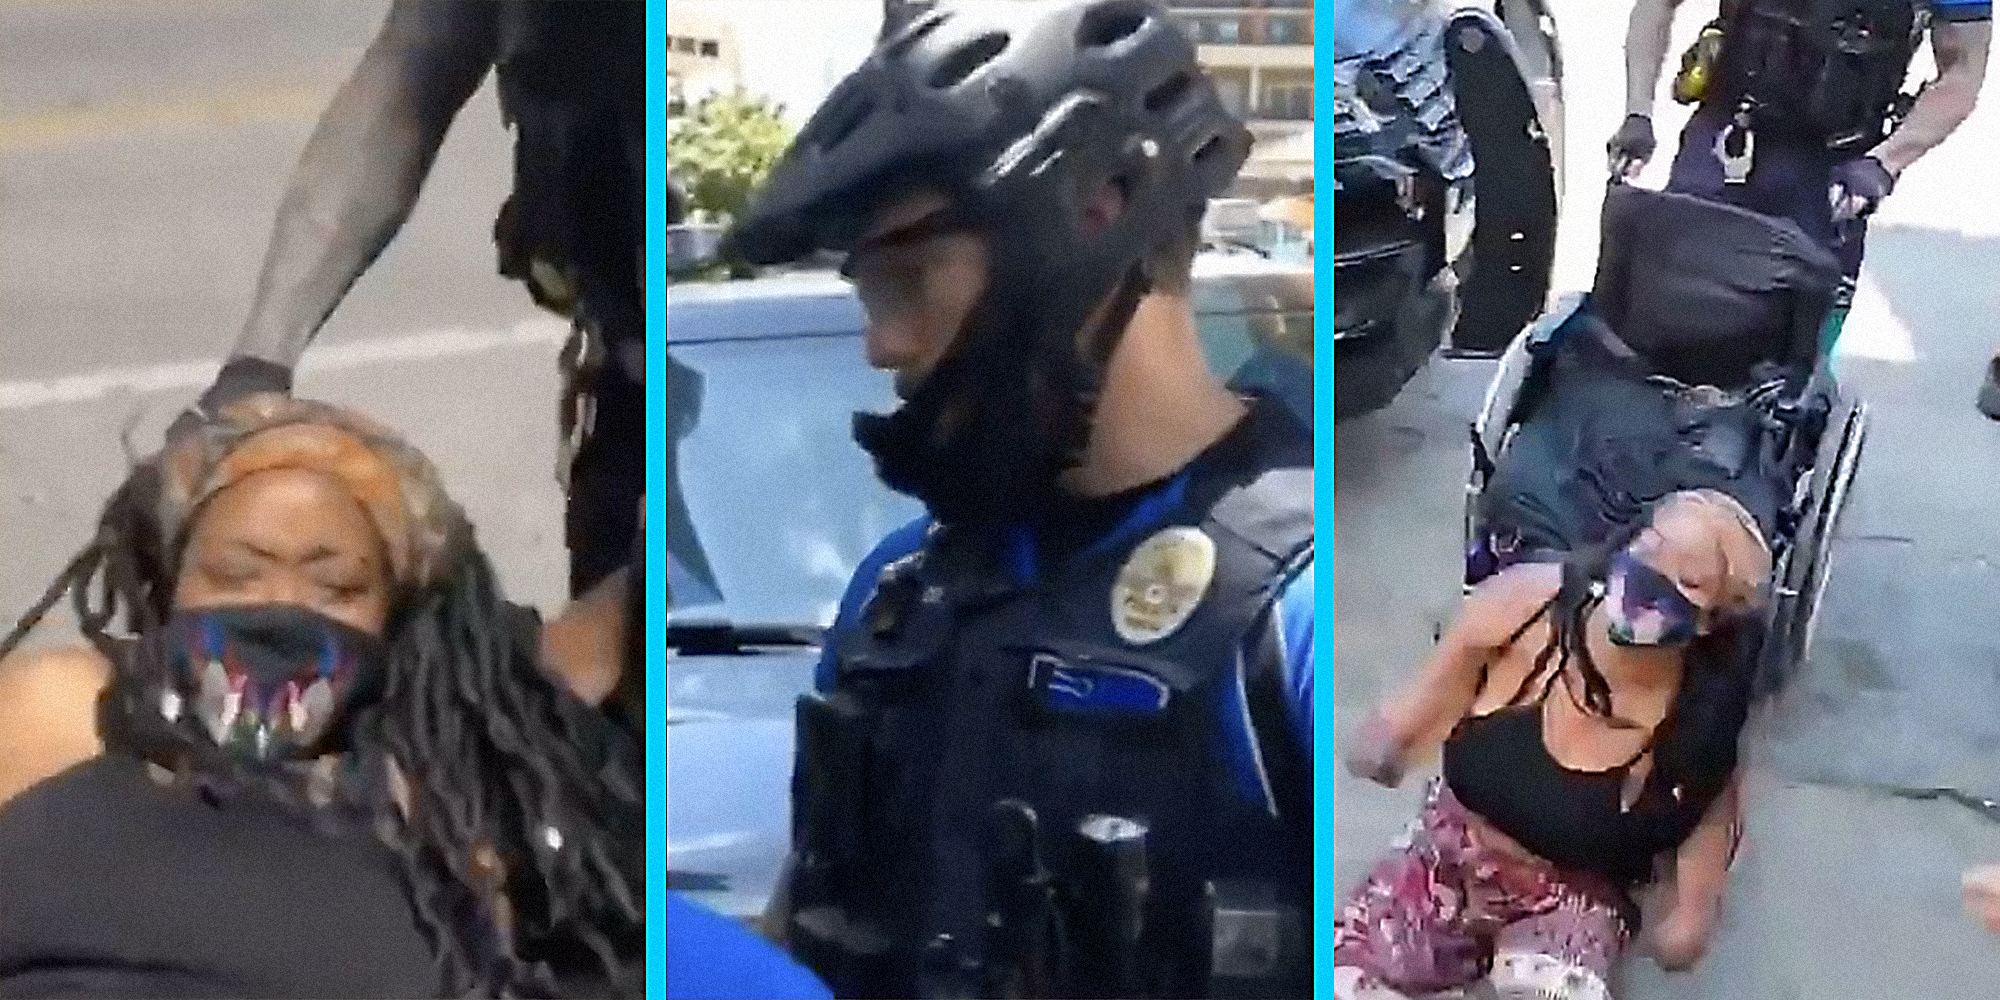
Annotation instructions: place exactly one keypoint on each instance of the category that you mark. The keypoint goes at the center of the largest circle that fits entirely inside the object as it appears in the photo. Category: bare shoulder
(1502, 603)
(48, 714)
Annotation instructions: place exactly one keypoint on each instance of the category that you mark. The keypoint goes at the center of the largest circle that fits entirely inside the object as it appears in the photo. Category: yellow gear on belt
(553, 287)
(1698, 65)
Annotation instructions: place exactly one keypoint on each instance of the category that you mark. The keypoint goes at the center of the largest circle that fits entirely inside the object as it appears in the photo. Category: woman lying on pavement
(1588, 713)
(310, 750)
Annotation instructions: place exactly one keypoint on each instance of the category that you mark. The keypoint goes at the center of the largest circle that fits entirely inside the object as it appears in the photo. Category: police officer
(1060, 745)
(572, 85)
(1799, 106)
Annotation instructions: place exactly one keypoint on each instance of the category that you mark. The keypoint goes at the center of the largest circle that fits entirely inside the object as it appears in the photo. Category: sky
(794, 50)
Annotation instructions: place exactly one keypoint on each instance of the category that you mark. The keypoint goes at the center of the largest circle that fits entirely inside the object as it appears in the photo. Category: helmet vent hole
(847, 120)
(917, 30)
(1168, 94)
(967, 59)
(1111, 23)
(1207, 149)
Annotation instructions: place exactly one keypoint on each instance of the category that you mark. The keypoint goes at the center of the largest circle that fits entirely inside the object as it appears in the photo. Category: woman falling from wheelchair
(1588, 714)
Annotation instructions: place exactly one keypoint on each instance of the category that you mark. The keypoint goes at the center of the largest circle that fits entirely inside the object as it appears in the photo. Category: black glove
(1632, 144)
(1859, 185)
(238, 378)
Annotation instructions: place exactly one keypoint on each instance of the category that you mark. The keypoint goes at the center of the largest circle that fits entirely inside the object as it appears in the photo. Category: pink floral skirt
(1444, 911)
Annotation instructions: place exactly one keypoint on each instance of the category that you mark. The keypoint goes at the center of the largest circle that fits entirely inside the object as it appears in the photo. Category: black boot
(1989, 391)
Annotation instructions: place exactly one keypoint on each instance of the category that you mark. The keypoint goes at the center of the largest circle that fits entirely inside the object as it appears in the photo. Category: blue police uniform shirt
(711, 957)
(1291, 629)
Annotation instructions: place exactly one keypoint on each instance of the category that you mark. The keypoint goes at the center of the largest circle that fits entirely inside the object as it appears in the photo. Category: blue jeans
(1788, 180)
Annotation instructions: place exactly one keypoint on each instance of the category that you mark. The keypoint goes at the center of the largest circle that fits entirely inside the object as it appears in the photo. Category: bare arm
(48, 714)
(1423, 714)
(1960, 50)
(1648, 35)
(1701, 873)
(362, 170)
(584, 645)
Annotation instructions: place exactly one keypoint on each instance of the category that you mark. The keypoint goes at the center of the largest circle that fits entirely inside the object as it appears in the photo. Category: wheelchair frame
(1801, 564)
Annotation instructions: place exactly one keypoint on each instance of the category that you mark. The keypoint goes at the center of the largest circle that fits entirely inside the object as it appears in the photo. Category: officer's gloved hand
(1632, 145)
(240, 377)
(1859, 185)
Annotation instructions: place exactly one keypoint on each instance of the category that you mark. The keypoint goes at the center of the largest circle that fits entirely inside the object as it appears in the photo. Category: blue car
(772, 505)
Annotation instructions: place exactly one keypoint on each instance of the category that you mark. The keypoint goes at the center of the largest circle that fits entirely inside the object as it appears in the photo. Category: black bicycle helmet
(1022, 101)
(1022, 113)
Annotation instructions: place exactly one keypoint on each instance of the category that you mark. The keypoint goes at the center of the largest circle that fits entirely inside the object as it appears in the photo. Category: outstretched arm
(1407, 729)
(364, 166)
(1701, 873)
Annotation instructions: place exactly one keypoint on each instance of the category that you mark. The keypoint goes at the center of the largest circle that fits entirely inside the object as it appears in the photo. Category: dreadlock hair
(522, 846)
(1695, 747)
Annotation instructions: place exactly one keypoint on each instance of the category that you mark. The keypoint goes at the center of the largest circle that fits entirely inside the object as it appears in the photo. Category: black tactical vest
(573, 86)
(1003, 798)
(1823, 71)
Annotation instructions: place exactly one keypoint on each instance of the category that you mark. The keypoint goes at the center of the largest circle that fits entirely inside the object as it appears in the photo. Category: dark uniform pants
(607, 480)
(1789, 180)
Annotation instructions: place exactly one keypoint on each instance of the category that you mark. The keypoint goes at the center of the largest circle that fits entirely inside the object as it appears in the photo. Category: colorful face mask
(1645, 607)
(270, 681)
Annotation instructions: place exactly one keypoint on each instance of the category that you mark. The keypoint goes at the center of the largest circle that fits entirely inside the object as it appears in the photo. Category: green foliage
(724, 149)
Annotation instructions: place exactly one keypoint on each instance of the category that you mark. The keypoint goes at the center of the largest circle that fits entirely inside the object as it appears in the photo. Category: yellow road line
(46, 129)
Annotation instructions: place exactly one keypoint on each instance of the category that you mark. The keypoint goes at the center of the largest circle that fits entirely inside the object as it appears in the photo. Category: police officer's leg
(1695, 169)
(607, 481)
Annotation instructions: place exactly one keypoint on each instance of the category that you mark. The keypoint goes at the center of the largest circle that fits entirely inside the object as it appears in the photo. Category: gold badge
(1161, 585)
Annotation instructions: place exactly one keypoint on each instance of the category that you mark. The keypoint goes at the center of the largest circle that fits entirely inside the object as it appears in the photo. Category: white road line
(184, 375)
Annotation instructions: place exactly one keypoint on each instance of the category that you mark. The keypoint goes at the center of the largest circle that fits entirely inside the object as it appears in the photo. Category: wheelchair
(1693, 362)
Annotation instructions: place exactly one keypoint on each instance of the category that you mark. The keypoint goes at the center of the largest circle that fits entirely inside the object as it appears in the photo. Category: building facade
(702, 59)
(1260, 53)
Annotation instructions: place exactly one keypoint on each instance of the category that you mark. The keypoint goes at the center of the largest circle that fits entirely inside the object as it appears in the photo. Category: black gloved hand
(1632, 145)
(238, 378)
(1859, 185)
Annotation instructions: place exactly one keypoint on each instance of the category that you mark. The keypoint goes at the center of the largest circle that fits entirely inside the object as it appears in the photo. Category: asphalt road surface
(1842, 890)
(143, 149)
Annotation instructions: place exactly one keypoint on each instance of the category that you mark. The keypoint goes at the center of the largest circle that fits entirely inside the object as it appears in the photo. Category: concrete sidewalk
(1841, 891)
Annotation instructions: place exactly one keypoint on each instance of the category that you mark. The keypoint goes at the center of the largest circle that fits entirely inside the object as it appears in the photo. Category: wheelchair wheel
(1804, 571)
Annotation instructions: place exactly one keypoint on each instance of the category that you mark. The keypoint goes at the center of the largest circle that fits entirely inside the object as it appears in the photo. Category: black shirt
(112, 885)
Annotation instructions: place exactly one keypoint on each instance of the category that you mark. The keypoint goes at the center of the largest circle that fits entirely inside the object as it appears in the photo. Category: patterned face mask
(1645, 607)
(270, 681)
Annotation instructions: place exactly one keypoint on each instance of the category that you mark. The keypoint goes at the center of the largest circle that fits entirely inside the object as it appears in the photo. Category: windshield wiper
(719, 638)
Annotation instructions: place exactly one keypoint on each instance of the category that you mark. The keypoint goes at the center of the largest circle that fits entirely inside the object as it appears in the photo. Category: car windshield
(772, 504)
(780, 503)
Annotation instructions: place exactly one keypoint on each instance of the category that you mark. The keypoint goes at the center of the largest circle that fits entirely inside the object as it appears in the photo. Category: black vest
(1824, 71)
(573, 86)
(977, 725)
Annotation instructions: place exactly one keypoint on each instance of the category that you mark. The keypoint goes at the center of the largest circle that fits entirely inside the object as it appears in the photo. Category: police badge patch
(1161, 584)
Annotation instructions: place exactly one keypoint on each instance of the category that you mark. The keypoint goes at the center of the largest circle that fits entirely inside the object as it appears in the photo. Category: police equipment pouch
(1029, 942)
(1256, 942)
(833, 733)
(1109, 906)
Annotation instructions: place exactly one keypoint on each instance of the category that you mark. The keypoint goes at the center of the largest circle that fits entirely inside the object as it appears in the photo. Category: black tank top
(1498, 765)
(114, 886)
